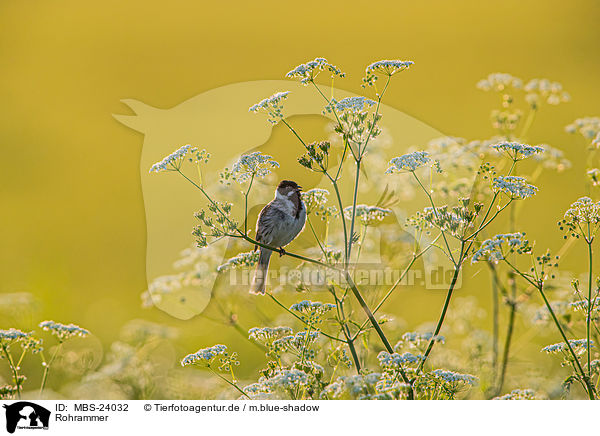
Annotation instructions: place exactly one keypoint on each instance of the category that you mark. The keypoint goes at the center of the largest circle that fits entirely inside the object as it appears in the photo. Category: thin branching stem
(395, 285)
(507, 342)
(312, 229)
(13, 368)
(350, 241)
(440, 322)
(47, 367)
(451, 257)
(540, 287)
(589, 306)
(339, 304)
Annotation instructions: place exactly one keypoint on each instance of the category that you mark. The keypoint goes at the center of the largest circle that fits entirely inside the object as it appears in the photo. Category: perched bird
(278, 224)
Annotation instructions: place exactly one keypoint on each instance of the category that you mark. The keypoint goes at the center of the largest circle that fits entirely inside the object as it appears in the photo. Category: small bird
(278, 224)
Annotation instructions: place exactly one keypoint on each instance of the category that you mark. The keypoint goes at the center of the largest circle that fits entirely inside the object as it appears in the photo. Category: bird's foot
(281, 252)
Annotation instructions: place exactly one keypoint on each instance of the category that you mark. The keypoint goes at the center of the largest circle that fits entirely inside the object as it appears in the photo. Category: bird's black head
(286, 186)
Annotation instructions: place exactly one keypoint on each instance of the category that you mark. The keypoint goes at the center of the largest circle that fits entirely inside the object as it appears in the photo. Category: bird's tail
(260, 276)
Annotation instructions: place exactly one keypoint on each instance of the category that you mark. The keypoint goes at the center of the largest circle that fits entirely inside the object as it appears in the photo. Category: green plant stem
(379, 98)
(294, 132)
(339, 170)
(507, 342)
(589, 308)
(540, 287)
(438, 327)
(528, 122)
(495, 319)
(354, 198)
(395, 285)
(451, 257)
(590, 388)
(374, 322)
(346, 331)
(47, 367)
(246, 205)
(484, 225)
(346, 144)
(512, 302)
(312, 229)
(341, 212)
(362, 241)
(13, 368)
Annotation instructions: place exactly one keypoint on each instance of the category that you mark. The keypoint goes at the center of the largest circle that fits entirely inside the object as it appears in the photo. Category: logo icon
(26, 415)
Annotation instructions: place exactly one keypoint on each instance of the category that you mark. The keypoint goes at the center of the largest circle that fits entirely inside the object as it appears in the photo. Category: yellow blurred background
(72, 224)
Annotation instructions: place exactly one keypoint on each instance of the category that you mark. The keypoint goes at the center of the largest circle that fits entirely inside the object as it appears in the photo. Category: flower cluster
(408, 162)
(171, 283)
(316, 157)
(417, 341)
(513, 186)
(542, 314)
(442, 384)
(171, 162)
(395, 360)
(454, 377)
(26, 340)
(544, 89)
(518, 394)
(315, 199)
(297, 344)
(220, 223)
(593, 175)
(456, 219)
(354, 123)
(309, 71)
(517, 151)
(327, 213)
(63, 331)
(267, 335)
(286, 379)
(312, 311)
(283, 383)
(367, 215)
(205, 355)
(588, 127)
(249, 166)
(582, 217)
(246, 259)
(272, 106)
(457, 153)
(578, 345)
(583, 304)
(7, 392)
(505, 120)
(352, 104)
(12, 335)
(384, 68)
(492, 249)
(331, 255)
(353, 387)
(174, 161)
(499, 82)
(552, 159)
